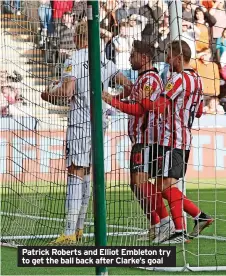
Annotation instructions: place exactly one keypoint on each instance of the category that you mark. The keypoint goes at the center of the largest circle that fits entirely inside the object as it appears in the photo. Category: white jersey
(77, 67)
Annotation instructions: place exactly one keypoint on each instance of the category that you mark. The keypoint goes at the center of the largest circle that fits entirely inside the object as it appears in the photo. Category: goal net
(35, 42)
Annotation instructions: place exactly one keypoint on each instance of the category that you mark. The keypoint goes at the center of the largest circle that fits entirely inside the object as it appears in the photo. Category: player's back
(184, 92)
(144, 129)
(78, 68)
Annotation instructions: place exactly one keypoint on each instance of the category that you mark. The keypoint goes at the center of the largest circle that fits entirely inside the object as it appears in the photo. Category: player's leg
(138, 178)
(77, 162)
(151, 202)
(174, 166)
(166, 224)
(86, 189)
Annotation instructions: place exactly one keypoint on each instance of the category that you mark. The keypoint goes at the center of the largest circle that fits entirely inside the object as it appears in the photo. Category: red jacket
(60, 7)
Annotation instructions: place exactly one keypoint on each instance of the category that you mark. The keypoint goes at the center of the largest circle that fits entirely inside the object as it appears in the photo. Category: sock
(174, 198)
(73, 202)
(158, 203)
(155, 199)
(145, 205)
(85, 202)
(191, 208)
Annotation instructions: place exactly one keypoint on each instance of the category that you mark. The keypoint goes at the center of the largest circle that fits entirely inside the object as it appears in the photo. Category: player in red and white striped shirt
(180, 103)
(144, 131)
(184, 91)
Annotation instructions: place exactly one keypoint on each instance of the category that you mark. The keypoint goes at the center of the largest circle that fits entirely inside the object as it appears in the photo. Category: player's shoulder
(149, 76)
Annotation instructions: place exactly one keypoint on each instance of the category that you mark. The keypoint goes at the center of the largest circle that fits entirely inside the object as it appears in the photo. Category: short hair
(145, 48)
(181, 47)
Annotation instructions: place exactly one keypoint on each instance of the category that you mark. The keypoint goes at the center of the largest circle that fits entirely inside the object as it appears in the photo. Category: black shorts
(139, 158)
(167, 162)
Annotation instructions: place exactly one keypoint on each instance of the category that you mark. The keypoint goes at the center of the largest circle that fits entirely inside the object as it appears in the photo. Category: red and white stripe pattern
(184, 91)
(144, 129)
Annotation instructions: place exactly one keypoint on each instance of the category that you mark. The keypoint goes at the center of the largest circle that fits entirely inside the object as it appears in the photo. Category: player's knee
(165, 183)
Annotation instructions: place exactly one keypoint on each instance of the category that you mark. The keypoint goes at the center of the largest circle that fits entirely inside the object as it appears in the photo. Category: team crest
(68, 68)
(147, 90)
(169, 86)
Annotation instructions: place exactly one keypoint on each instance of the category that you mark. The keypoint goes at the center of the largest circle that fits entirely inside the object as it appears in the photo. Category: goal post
(99, 199)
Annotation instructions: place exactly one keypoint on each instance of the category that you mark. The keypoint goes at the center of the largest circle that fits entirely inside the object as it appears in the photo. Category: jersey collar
(189, 70)
(149, 70)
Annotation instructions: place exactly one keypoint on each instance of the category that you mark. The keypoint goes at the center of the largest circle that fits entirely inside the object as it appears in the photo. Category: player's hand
(45, 96)
(107, 97)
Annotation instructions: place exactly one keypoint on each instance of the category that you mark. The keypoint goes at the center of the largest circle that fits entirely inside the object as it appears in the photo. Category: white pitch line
(117, 234)
(61, 220)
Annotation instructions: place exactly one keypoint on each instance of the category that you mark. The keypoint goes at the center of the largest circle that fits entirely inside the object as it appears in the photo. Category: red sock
(174, 198)
(152, 216)
(190, 207)
(155, 201)
(158, 203)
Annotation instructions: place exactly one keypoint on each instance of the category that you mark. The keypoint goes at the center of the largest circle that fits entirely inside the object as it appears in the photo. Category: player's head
(81, 35)
(179, 55)
(141, 55)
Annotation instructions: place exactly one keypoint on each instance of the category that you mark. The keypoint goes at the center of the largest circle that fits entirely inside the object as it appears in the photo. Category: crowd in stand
(123, 21)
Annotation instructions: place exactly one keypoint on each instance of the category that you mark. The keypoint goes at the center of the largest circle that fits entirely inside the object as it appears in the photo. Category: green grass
(122, 210)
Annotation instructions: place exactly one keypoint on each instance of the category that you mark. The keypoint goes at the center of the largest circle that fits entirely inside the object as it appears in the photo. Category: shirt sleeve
(174, 87)
(108, 73)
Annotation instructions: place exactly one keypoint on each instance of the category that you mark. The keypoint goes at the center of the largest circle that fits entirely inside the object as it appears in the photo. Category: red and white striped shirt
(144, 129)
(184, 91)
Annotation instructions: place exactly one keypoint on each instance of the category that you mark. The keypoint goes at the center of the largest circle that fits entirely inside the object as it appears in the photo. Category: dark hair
(223, 31)
(181, 47)
(199, 10)
(145, 48)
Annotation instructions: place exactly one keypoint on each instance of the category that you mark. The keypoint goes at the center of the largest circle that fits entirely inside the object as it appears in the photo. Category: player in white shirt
(75, 84)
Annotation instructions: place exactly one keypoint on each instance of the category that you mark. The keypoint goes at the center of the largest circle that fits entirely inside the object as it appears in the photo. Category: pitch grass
(122, 209)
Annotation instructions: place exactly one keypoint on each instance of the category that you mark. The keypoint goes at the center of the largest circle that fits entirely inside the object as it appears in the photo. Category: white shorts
(78, 146)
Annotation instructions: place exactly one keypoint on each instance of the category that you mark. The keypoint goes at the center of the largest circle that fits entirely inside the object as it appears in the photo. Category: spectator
(67, 33)
(136, 24)
(209, 73)
(219, 12)
(153, 11)
(221, 45)
(111, 7)
(213, 107)
(106, 37)
(80, 9)
(161, 46)
(122, 52)
(45, 15)
(203, 20)
(208, 4)
(223, 65)
(189, 36)
(187, 11)
(125, 11)
(13, 6)
(59, 8)
(9, 96)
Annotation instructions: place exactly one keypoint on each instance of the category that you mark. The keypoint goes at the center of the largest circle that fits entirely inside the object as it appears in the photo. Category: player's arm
(123, 81)
(66, 90)
(134, 109)
(200, 110)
